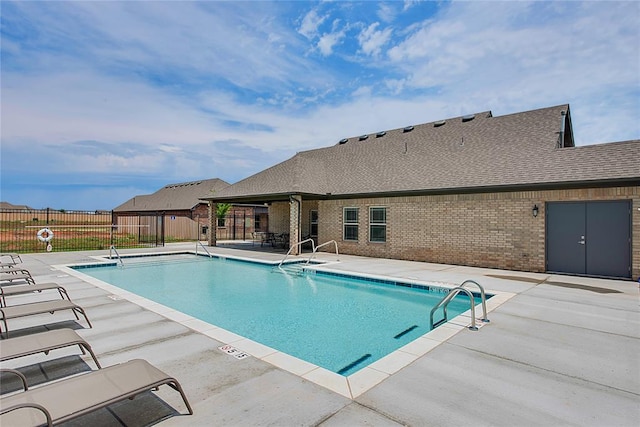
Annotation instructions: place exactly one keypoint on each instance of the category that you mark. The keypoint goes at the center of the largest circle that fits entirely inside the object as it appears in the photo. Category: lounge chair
(10, 290)
(67, 399)
(13, 256)
(7, 265)
(44, 342)
(23, 310)
(8, 276)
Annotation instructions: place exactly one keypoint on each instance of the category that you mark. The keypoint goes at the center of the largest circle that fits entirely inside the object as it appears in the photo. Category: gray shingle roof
(181, 196)
(9, 206)
(486, 152)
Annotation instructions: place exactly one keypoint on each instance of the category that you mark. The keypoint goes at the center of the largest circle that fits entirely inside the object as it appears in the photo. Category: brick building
(508, 192)
(184, 216)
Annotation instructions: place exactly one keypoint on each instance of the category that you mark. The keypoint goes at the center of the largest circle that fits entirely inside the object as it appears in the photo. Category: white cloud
(386, 12)
(394, 85)
(408, 4)
(372, 41)
(310, 24)
(328, 41)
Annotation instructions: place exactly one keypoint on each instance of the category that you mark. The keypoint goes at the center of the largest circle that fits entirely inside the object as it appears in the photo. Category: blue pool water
(338, 322)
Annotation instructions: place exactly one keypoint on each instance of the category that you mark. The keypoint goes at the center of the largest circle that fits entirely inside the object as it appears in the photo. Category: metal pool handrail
(313, 246)
(113, 248)
(483, 299)
(447, 299)
(198, 242)
(324, 244)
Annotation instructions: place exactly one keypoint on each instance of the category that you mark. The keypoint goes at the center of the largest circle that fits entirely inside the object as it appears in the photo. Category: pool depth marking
(405, 332)
(353, 364)
(231, 350)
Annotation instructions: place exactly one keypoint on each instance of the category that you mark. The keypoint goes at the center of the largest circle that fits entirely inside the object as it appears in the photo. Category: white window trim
(378, 224)
(345, 223)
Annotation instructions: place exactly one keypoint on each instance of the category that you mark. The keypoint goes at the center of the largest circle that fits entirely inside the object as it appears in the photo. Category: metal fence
(58, 230)
(236, 226)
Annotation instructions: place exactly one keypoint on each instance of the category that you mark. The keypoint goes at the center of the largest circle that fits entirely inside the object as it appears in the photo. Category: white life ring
(45, 235)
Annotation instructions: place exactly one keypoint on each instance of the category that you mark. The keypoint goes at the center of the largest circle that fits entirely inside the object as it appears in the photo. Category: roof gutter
(494, 188)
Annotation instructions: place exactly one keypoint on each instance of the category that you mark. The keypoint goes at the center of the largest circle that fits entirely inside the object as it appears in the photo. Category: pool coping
(350, 386)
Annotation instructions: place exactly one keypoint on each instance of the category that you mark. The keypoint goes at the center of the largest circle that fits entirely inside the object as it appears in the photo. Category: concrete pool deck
(561, 351)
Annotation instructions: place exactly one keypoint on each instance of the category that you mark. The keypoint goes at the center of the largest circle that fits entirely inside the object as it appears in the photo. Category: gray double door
(589, 238)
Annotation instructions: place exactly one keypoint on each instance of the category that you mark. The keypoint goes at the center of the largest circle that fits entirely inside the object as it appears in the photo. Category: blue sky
(103, 101)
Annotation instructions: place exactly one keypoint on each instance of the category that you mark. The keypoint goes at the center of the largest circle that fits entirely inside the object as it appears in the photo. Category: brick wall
(307, 207)
(279, 217)
(495, 230)
(201, 211)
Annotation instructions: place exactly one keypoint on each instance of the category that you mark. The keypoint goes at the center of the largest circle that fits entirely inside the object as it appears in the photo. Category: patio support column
(295, 210)
(213, 222)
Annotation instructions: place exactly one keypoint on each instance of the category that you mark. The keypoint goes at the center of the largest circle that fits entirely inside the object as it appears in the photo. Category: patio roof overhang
(263, 198)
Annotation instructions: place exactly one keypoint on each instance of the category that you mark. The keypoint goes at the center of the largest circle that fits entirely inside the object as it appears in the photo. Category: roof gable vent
(363, 137)
(343, 141)
(439, 123)
(380, 134)
(407, 129)
(468, 118)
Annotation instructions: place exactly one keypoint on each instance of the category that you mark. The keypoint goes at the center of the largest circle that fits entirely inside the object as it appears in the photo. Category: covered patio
(289, 221)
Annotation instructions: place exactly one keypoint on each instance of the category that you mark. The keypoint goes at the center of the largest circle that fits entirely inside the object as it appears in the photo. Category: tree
(221, 211)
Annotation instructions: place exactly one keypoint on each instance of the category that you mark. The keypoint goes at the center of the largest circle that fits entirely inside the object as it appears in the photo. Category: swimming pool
(339, 322)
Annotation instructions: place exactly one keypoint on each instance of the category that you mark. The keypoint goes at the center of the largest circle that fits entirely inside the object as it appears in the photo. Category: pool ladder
(451, 295)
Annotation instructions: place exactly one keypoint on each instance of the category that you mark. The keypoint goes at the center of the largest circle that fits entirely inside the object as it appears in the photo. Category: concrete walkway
(562, 351)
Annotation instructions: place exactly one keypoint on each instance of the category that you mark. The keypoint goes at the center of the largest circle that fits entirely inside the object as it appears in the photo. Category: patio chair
(267, 238)
(44, 342)
(10, 290)
(70, 398)
(33, 308)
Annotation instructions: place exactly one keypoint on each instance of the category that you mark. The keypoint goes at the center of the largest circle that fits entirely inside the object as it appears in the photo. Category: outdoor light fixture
(535, 211)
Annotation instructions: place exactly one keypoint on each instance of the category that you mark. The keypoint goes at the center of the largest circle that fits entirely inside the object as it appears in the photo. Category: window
(256, 222)
(221, 222)
(350, 224)
(313, 223)
(377, 224)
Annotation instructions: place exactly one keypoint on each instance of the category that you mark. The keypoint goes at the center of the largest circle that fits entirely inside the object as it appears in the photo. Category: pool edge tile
(365, 379)
(198, 325)
(289, 363)
(417, 348)
(330, 380)
(257, 350)
(223, 335)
